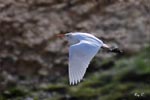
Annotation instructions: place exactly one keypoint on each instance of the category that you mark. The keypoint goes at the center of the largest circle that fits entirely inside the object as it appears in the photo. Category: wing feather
(80, 55)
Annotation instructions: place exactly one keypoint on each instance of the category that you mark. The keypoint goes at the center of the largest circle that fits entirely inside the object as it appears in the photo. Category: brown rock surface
(27, 32)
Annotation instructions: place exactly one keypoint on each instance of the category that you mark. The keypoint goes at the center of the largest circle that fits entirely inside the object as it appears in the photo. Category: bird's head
(70, 37)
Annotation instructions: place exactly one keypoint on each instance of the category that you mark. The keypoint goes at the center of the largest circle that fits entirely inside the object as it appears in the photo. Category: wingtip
(75, 82)
(71, 83)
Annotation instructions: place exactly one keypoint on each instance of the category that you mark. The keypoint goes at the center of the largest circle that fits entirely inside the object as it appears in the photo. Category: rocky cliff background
(33, 62)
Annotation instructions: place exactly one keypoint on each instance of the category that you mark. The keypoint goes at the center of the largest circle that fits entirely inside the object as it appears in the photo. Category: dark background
(33, 62)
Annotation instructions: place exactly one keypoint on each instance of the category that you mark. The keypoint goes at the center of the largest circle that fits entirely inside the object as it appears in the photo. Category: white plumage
(83, 47)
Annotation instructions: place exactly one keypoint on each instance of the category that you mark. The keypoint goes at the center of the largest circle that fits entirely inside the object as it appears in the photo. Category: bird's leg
(112, 49)
(116, 50)
(105, 46)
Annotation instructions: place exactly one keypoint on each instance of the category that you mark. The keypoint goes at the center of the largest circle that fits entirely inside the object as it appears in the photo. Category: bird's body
(83, 47)
(79, 36)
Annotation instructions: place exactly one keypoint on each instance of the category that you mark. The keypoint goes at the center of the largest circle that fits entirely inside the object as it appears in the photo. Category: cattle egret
(83, 47)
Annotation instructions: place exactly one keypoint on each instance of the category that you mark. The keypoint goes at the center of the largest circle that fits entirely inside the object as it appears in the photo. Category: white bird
(83, 47)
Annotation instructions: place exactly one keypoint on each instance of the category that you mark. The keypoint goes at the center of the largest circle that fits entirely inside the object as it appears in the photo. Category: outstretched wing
(80, 55)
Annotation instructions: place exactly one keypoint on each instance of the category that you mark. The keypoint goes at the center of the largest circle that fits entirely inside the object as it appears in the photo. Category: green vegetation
(128, 79)
(14, 92)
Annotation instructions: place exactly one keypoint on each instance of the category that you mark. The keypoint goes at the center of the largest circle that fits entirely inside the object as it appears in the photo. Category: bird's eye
(67, 35)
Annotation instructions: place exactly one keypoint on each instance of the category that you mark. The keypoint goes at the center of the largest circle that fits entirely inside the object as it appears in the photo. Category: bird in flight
(83, 47)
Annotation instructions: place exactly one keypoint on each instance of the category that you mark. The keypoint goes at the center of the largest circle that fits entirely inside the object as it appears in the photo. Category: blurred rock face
(28, 28)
